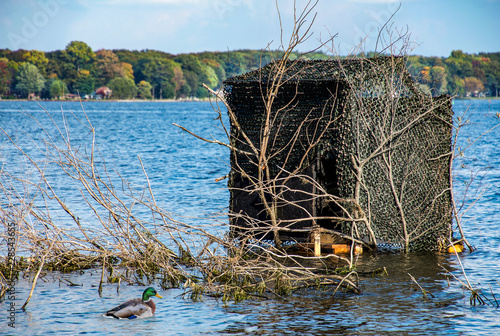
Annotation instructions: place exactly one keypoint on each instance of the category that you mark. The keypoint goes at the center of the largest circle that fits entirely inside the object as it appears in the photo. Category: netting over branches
(350, 145)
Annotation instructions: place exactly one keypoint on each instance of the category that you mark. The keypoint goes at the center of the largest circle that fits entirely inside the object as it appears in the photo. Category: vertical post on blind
(316, 229)
(317, 243)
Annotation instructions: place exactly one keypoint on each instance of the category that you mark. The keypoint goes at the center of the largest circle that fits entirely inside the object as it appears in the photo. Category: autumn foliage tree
(108, 66)
(472, 85)
(183, 75)
(38, 59)
(5, 76)
(105, 68)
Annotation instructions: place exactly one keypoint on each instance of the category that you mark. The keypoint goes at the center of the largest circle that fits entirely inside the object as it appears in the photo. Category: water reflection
(389, 304)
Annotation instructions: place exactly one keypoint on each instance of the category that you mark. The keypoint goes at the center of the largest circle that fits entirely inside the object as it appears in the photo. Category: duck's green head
(149, 292)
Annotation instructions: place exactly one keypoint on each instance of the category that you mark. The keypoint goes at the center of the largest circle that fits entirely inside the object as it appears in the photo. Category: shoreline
(110, 100)
(168, 100)
(476, 98)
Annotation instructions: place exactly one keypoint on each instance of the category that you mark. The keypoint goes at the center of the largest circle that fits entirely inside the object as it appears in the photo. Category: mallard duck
(131, 309)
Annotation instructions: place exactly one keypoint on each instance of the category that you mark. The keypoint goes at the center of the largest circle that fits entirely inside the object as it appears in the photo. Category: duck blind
(352, 146)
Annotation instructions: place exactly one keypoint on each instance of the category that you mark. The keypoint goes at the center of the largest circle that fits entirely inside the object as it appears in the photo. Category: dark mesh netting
(362, 131)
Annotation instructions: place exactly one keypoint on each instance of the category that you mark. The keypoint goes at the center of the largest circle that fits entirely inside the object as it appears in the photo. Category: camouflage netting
(330, 116)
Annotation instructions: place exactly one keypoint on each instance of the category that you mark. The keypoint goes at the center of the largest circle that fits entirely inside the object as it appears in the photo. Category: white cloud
(150, 27)
(375, 1)
(89, 3)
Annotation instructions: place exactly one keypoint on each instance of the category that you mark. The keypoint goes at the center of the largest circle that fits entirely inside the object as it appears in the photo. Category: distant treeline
(149, 73)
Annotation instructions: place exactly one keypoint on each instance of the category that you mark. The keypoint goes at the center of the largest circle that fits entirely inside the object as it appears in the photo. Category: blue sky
(180, 26)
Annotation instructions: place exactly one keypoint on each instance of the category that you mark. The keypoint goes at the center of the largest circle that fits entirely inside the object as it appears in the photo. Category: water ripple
(182, 171)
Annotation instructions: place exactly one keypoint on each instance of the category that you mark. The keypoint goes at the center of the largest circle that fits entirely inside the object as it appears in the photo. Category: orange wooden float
(332, 248)
(458, 247)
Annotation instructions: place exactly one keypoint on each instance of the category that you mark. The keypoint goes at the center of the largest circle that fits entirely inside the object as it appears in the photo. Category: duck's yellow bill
(158, 295)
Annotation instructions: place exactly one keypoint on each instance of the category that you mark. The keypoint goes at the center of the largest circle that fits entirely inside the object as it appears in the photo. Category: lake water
(182, 171)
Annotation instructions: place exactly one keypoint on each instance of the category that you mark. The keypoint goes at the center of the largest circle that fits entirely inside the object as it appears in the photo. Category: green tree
(80, 54)
(179, 79)
(490, 65)
(54, 65)
(160, 73)
(144, 90)
(69, 74)
(29, 80)
(233, 63)
(191, 82)
(213, 80)
(195, 73)
(84, 83)
(62, 67)
(58, 89)
(184, 75)
(38, 59)
(123, 88)
(458, 54)
(460, 64)
(478, 72)
(215, 66)
(493, 83)
(45, 93)
(456, 86)
(5, 76)
(438, 82)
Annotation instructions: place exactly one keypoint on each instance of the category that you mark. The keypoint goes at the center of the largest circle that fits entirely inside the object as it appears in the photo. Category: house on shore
(102, 93)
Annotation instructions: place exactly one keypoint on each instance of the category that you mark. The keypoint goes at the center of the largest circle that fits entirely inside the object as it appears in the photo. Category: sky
(434, 27)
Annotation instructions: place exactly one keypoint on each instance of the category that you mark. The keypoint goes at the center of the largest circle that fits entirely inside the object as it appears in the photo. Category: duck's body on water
(144, 307)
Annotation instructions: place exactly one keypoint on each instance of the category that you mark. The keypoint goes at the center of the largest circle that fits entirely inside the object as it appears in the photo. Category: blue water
(182, 172)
